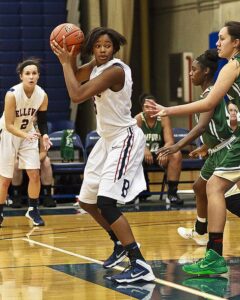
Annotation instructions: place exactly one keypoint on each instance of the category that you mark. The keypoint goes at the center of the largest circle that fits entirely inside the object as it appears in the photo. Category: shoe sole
(34, 223)
(148, 277)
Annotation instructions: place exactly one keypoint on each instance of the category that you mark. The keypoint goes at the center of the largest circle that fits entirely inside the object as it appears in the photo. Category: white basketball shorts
(12, 148)
(114, 168)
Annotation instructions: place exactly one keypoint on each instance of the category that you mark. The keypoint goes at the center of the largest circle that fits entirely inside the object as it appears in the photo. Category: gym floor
(63, 260)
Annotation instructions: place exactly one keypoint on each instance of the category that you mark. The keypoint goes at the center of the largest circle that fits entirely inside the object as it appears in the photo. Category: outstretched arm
(204, 119)
(225, 80)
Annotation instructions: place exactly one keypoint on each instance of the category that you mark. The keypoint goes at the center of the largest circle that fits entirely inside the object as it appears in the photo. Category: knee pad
(109, 209)
(233, 204)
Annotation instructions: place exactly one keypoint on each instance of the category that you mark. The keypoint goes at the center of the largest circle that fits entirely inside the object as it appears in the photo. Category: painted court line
(157, 280)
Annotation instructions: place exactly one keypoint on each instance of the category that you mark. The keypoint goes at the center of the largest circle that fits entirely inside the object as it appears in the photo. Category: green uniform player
(158, 133)
(228, 171)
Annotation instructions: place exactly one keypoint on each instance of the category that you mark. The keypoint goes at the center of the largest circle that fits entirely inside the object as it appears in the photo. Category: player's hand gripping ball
(73, 36)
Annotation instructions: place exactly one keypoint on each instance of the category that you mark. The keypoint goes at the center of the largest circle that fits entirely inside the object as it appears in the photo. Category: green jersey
(233, 95)
(154, 135)
(231, 161)
(218, 129)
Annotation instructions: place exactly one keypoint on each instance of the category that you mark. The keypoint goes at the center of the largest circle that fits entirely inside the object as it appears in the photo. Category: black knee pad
(233, 204)
(109, 210)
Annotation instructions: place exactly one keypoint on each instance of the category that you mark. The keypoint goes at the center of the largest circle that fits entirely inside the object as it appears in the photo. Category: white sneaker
(76, 205)
(190, 233)
(191, 256)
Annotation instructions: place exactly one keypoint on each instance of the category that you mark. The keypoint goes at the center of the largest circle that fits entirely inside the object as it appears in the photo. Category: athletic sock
(201, 227)
(134, 252)
(1, 208)
(113, 237)
(33, 202)
(46, 190)
(17, 191)
(172, 187)
(215, 242)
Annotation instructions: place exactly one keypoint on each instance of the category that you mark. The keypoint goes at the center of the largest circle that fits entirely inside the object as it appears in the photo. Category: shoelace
(202, 259)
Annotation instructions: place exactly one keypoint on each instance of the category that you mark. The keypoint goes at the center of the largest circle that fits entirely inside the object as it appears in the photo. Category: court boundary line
(157, 280)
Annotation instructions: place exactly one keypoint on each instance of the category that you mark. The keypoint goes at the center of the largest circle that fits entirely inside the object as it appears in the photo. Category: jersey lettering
(25, 112)
(125, 188)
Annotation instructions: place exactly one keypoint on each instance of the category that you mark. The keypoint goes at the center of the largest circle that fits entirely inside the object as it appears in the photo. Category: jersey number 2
(24, 124)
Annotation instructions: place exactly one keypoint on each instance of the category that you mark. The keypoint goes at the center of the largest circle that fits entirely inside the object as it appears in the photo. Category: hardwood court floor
(63, 260)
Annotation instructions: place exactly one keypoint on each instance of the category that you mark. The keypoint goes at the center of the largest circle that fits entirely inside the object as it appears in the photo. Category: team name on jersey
(25, 112)
(152, 136)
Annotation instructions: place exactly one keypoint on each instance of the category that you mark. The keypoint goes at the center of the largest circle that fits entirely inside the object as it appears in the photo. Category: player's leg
(213, 262)
(17, 186)
(122, 179)
(225, 176)
(7, 159)
(119, 253)
(199, 230)
(232, 198)
(173, 174)
(199, 188)
(46, 182)
(139, 269)
(88, 199)
(29, 160)
(4, 185)
(34, 186)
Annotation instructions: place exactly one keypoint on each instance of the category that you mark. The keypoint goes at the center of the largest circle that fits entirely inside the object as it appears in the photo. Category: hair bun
(212, 55)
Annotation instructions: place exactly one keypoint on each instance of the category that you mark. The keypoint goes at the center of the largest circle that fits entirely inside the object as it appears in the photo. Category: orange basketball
(73, 35)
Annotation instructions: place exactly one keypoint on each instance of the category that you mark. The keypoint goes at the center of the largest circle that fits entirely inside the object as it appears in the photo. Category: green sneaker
(212, 263)
(216, 286)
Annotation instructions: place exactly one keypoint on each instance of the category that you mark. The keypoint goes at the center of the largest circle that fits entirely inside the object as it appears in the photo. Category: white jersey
(26, 108)
(113, 109)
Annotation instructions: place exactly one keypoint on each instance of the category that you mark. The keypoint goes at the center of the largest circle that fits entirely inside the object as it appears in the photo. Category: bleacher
(25, 28)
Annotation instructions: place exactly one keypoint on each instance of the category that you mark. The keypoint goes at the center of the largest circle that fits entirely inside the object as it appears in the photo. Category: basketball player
(46, 177)
(216, 127)
(114, 171)
(228, 171)
(158, 132)
(19, 139)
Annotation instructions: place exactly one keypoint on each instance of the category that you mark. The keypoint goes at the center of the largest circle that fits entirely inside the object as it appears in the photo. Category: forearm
(191, 136)
(42, 156)
(15, 131)
(73, 86)
(186, 109)
(71, 82)
(74, 64)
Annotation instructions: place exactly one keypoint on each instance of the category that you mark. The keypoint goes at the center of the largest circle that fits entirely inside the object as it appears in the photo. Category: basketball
(73, 36)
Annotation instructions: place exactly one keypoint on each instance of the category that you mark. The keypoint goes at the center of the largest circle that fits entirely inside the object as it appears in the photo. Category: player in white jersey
(19, 140)
(114, 170)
